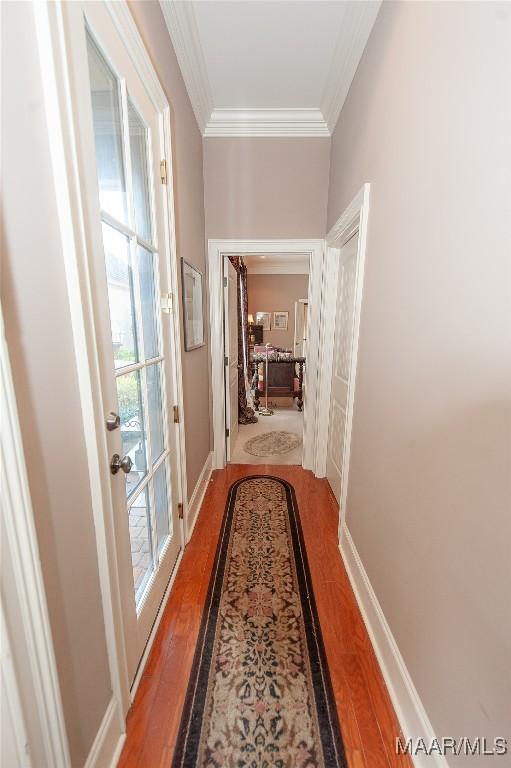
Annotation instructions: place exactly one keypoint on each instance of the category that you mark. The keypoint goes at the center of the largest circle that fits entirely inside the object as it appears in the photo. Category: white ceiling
(274, 68)
(277, 263)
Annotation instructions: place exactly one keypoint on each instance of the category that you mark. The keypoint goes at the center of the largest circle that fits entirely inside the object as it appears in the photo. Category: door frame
(33, 697)
(217, 250)
(76, 237)
(298, 301)
(355, 215)
(227, 372)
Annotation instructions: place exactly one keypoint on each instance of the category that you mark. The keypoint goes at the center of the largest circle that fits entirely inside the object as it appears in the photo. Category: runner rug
(259, 693)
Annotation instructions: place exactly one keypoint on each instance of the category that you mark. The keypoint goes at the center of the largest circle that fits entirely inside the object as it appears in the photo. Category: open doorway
(281, 259)
(266, 299)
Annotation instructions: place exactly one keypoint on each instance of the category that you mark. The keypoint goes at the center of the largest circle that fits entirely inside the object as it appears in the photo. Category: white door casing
(231, 355)
(32, 715)
(300, 337)
(341, 363)
(354, 219)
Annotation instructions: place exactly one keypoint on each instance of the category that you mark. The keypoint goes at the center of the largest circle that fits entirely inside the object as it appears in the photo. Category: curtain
(246, 413)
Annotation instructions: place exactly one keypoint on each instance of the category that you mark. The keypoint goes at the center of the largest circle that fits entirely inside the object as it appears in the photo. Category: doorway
(265, 380)
(116, 209)
(312, 251)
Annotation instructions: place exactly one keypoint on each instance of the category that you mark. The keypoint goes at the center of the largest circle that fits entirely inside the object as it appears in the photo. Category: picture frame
(280, 321)
(193, 306)
(264, 319)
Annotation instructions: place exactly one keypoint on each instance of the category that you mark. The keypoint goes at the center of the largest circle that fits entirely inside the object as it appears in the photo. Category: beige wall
(428, 123)
(38, 331)
(277, 293)
(189, 205)
(266, 187)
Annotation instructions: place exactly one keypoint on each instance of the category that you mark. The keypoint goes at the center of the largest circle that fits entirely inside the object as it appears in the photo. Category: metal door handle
(117, 463)
(112, 421)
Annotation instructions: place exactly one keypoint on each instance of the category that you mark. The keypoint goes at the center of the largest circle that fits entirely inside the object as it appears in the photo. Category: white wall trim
(406, 701)
(107, 746)
(217, 249)
(360, 19)
(39, 698)
(197, 497)
(266, 122)
(182, 27)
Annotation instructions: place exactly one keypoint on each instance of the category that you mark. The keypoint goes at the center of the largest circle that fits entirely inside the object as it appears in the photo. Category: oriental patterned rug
(272, 443)
(260, 693)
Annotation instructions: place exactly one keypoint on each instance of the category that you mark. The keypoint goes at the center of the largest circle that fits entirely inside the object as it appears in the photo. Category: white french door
(123, 141)
(341, 365)
(231, 354)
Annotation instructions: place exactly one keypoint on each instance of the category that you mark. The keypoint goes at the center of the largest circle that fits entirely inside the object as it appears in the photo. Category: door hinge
(163, 171)
(180, 510)
(175, 410)
(166, 303)
(227, 432)
(226, 361)
(225, 282)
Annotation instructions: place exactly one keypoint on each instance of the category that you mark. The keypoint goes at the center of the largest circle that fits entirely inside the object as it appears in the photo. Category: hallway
(341, 154)
(367, 719)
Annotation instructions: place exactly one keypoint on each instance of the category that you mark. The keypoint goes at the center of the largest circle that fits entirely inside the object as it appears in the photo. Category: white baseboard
(107, 746)
(409, 709)
(197, 496)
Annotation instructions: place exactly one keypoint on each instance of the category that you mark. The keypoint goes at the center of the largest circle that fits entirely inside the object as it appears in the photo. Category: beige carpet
(284, 419)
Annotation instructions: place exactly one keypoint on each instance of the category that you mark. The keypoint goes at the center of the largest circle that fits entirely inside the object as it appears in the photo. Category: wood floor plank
(368, 722)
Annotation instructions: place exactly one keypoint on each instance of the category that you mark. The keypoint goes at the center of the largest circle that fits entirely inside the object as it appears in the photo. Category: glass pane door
(125, 127)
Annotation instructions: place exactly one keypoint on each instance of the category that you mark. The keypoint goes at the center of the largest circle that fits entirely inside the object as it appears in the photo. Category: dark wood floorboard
(368, 722)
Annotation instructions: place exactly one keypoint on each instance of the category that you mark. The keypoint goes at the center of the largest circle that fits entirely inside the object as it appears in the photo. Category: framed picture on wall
(193, 316)
(280, 321)
(263, 318)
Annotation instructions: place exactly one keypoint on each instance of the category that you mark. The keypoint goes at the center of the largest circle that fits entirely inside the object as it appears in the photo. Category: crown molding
(182, 26)
(358, 23)
(266, 122)
(184, 34)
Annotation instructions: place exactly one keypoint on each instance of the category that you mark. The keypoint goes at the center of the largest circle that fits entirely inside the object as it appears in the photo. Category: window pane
(155, 405)
(106, 115)
(133, 433)
(161, 505)
(148, 302)
(140, 538)
(120, 296)
(140, 173)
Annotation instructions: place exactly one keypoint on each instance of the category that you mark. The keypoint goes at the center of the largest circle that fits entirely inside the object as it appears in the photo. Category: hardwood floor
(368, 722)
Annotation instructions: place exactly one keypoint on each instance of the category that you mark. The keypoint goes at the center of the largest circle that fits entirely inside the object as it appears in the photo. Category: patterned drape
(246, 413)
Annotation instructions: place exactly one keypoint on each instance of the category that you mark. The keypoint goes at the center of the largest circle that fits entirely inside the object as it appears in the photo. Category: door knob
(117, 463)
(112, 421)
